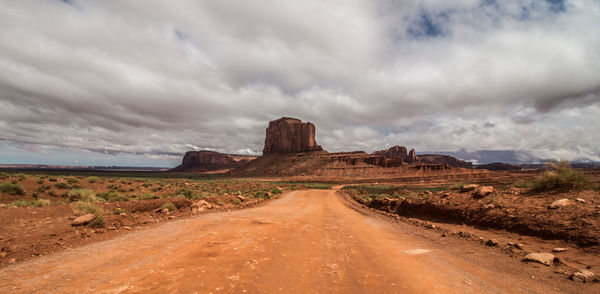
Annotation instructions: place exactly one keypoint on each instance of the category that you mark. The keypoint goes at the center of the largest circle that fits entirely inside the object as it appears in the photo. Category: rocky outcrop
(290, 135)
(398, 152)
(206, 161)
(443, 159)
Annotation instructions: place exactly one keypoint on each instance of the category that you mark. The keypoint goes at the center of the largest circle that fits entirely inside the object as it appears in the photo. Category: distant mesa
(211, 161)
(291, 150)
(290, 135)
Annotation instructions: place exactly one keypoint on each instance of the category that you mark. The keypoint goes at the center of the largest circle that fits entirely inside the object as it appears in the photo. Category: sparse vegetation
(72, 180)
(276, 191)
(62, 185)
(146, 196)
(456, 186)
(561, 177)
(27, 203)
(11, 189)
(84, 195)
(113, 196)
(236, 201)
(92, 179)
(169, 206)
(88, 207)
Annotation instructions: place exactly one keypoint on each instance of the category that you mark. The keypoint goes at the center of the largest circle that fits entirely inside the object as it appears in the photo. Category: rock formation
(398, 152)
(443, 159)
(290, 135)
(206, 161)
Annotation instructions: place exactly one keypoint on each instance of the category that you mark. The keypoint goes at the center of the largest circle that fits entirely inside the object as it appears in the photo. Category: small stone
(430, 226)
(2, 205)
(444, 195)
(582, 276)
(491, 242)
(122, 214)
(559, 250)
(428, 192)
(489, 206)
(165, 211)
(127, 228)
(543, 258)
(511, 244)
(519, 246)
(242, 198)
(12, 260)
(82, 220)
(580, 200)
(559, 203)
(111, 228)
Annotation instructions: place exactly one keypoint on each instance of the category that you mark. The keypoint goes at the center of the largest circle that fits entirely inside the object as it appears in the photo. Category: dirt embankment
(506, 210)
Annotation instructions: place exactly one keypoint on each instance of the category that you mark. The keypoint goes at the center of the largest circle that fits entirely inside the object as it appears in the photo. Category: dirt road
(305, 242)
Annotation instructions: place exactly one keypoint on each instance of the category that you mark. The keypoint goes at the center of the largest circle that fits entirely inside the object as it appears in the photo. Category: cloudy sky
(141, 82)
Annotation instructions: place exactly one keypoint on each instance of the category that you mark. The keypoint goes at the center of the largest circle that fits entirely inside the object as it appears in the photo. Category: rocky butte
(290, 135)
(210, 161)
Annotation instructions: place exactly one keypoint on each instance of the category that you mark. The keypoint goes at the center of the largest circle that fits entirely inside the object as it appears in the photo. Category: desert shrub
(92, 180)
(11, 189)
(119, 211)
(4, 176)
(456, 186)
(87, 207)
(169, 205)
(276, 191)
(41, 202)
(26, 202)
(187, 193)
(72, 180)
(52, 193)
(84, 195)
(236, 201)
(52, 180)
(112, 186)
(146, 185)
(40, 181)
(561, 177)
(220, 203)
(113, 196)
(22, 178)
(146, 196)
(62, 185)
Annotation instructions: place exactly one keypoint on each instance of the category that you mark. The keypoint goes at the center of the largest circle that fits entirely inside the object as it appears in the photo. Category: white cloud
(158, 77)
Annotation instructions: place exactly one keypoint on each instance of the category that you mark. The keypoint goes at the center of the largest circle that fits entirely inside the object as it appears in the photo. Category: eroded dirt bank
(305, 242)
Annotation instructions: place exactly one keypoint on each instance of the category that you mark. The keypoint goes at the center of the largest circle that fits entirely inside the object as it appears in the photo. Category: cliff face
(290, 135)
(206, 161)
(398, 152)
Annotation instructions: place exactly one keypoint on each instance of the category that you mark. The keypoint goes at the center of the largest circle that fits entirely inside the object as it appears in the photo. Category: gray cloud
(161, 78)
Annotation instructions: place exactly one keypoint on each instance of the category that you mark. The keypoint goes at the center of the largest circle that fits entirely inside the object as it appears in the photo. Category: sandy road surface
(305, 242)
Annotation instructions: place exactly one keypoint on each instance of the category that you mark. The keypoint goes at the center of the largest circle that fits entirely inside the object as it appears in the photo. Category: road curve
(305, 242)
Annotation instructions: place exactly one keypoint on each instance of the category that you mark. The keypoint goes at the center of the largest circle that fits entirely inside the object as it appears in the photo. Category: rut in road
(305, 242)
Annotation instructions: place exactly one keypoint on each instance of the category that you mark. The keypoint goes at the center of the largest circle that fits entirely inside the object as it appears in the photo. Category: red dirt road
(305, 242)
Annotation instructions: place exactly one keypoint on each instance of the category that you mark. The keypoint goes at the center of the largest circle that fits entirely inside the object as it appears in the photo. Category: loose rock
(582, 276)
(580, 200)
(82, 220)
(559, 250)
(491, 242)
(469, 187)
(559, 203)
(543, 258)
(483, 191)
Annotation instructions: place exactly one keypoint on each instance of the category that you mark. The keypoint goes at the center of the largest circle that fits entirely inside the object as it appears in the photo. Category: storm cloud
(157, 78)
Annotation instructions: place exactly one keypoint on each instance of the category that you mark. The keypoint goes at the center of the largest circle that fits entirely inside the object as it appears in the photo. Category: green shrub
(236, 201)
(4, 176)
(88, 207)
(41, 202)
(84, 195)
(113, 196)
(72, 180)
(62, 185)
(276, 191)
(52, 193)
(169, 205)
(11, 189)
(146, 185)
(52, 180)
(40, 181)
(220, 203)
(26, 202)
(561, 177)
(92, 180)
